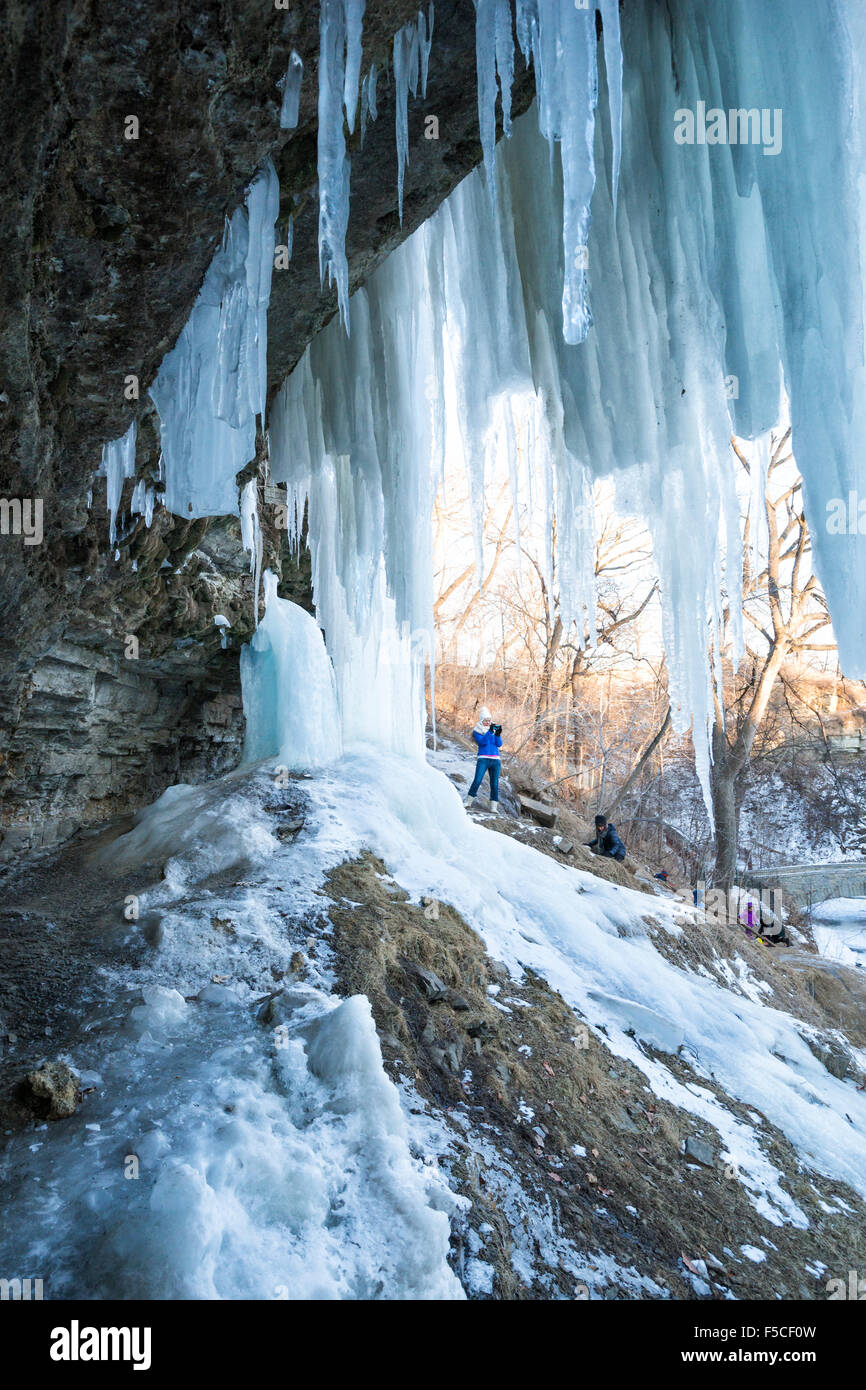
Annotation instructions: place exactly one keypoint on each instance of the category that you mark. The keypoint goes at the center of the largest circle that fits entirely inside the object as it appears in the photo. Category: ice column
(288, 688)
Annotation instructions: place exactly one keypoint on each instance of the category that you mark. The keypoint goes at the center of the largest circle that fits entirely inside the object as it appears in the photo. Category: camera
(496, 729)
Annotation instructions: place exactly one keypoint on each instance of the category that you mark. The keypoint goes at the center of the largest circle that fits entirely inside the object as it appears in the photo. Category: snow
(275, 1158)
(533, 912)
(752, 1253)
(839, 930)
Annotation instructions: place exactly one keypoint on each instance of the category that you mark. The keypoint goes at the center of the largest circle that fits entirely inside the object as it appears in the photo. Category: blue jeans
(491, 767)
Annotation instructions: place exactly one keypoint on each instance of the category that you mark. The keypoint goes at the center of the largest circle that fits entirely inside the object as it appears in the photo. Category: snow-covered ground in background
(274, 1156)
(839, 929)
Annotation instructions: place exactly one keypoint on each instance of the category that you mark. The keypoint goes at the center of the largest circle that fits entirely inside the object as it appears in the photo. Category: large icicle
(494, 56)
(411, 59)
(251, 537)
(340, 25)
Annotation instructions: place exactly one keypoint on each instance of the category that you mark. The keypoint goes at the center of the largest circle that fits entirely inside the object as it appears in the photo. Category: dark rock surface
(105, 243)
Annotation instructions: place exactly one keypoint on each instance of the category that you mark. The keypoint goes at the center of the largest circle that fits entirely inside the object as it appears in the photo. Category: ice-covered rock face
(88, 297)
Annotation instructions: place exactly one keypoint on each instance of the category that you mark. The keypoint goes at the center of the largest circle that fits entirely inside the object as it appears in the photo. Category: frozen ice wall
(213, 383)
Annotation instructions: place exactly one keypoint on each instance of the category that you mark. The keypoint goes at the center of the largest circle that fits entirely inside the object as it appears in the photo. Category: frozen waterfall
(655, 280)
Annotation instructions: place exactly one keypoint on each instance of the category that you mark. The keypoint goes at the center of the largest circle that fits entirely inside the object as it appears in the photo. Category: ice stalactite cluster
(213, 383)
(349, 430)
(717, 281)
(559, 39)
(118, 463)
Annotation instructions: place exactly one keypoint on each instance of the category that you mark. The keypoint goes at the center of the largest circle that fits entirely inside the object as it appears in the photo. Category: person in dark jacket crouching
(606, 842)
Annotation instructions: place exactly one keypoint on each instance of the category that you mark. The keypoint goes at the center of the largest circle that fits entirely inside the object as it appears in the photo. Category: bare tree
(785, 608)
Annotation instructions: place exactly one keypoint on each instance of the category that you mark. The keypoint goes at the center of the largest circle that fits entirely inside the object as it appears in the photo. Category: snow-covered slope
(273, 1155)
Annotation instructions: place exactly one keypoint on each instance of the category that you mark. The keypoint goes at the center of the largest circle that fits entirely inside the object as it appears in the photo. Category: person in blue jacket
(606, 843)
(488, 736)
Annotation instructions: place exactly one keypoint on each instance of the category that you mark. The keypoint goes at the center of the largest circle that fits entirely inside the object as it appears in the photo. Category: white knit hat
(483, 713)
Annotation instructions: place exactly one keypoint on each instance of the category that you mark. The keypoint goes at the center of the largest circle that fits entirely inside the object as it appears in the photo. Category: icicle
(425, 43)
(354, 24)
(494, 56)
(613, 65)
(411, 61)
(118, 463)
(369, 111)
(340, 24)
(251, 537)
(143, 501)
(402, 50)
(291, 85)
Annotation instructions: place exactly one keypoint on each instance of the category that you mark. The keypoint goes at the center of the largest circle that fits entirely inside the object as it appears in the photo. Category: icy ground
(839, 929)
(275, 1157)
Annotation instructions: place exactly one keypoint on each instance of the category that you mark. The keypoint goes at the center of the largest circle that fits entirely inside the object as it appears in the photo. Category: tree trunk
(723, 789)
